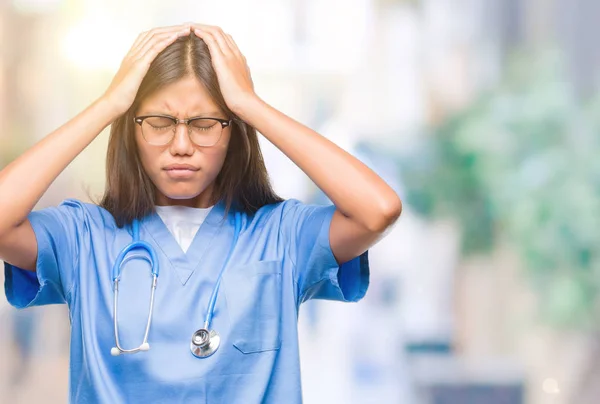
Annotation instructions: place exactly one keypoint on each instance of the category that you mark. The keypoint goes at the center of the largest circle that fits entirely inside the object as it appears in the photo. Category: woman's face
(185, 98)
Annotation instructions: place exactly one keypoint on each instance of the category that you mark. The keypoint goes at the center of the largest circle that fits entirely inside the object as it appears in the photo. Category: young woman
(184, 283)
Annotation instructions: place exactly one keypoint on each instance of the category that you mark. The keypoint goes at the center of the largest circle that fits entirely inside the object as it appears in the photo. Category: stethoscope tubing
(152, 260)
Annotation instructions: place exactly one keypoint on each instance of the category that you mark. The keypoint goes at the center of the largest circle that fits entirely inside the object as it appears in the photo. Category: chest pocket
(253, 293)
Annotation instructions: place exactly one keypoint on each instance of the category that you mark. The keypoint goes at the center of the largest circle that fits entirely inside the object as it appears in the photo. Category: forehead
(184, 97)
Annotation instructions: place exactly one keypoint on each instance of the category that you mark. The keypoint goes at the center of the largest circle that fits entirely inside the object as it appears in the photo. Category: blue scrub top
(282, 258)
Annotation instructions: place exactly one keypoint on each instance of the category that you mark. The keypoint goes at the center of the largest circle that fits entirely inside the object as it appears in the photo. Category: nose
(181, 144)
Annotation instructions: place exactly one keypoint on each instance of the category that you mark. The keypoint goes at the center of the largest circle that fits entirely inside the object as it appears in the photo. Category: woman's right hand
(124, 86)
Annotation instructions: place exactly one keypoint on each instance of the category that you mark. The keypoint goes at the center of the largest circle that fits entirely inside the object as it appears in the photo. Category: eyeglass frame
(225, 123)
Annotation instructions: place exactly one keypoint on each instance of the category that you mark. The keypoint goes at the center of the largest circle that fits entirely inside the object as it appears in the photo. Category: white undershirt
(183, 222)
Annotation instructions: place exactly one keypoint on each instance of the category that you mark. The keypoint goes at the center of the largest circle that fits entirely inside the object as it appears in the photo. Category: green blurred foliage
(521, 164)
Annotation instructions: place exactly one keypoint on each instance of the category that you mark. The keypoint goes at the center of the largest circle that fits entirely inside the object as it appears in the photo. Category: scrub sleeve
(58, 231)
(317, 275)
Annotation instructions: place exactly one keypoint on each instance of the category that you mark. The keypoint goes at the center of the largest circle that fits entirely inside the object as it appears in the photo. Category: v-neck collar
(183, 263)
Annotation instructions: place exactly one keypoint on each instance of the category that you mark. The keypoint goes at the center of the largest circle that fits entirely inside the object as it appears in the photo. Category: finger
(156, 47)
(164, 30)
(211, 42)
(236, 51)
(138, 40)
(204, 27)
(139, 54)
(232, 45)
(141, 39)
(171, 28)
(183, 28)
(218, 36)
(158, 38)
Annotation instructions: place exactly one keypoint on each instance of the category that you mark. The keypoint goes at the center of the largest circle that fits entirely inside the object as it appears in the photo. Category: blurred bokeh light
(482, 114)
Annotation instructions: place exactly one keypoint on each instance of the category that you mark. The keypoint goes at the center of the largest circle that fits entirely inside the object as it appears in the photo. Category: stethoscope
(205, 341)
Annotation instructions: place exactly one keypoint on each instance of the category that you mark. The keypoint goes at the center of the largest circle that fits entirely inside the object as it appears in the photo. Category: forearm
(355, 189)
(26, 179)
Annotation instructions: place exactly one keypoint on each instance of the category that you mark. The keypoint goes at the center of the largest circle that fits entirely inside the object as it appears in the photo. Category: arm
(366, 205)
(39, 166)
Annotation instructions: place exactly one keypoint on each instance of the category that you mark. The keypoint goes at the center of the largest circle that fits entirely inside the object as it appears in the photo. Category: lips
(180, 167)
(180, 171)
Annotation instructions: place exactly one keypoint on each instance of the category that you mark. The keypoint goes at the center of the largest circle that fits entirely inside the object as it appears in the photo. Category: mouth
(180, 170)
(180, 167)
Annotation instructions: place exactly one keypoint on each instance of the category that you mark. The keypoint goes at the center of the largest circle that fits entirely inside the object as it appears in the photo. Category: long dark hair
(243, 181)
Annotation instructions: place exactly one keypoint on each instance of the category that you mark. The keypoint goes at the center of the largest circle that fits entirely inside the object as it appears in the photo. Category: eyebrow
(214, 114)
(167, 107)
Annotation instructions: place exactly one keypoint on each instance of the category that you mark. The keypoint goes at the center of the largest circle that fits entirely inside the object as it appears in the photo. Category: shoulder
(292, 213)
(275, 211)
(86, 213)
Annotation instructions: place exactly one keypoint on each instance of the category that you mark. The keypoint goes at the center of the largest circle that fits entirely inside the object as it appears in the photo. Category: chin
(182, 191)
(182, 197)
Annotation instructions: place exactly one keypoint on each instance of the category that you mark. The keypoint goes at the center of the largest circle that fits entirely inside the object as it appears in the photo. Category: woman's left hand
(229, 64)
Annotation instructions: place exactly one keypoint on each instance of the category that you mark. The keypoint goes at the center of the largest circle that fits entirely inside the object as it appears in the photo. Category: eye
(203, 124)
(158, 122)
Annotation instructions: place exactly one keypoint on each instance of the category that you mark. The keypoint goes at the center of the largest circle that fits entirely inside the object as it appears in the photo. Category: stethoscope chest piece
(204, 343)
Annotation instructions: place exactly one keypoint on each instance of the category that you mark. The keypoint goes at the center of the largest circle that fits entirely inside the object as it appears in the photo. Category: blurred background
(482, 114)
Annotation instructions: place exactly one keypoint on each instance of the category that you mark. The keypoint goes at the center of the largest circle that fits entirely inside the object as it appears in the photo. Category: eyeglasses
(159, 130)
